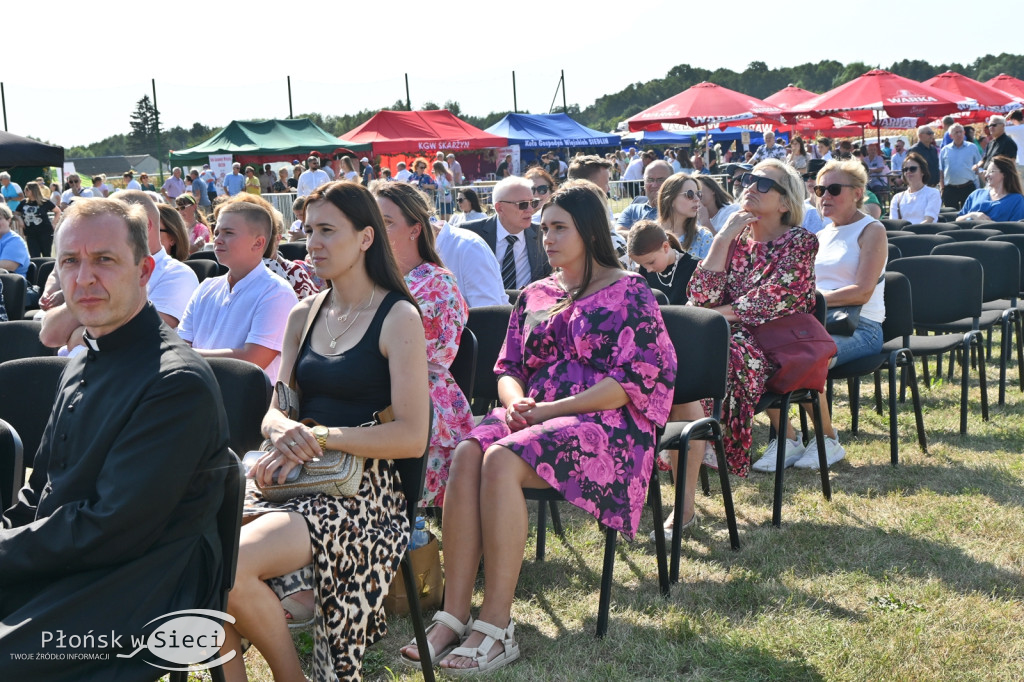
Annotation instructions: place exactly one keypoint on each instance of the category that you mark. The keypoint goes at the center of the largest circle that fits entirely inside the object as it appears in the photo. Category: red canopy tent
(878, 95)
(1008, 84)
(705, 104)
(421, 132)
(790, 96)
(989, 99)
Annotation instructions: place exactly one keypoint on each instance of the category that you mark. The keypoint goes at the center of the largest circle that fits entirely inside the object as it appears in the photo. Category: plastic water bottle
(420, 536)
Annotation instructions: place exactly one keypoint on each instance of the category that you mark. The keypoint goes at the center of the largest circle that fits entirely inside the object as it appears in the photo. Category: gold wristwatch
(321, 433)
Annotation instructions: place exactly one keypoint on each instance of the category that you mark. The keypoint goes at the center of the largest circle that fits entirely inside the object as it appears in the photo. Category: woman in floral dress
(585, 376)
(760, 267)
(407, 217)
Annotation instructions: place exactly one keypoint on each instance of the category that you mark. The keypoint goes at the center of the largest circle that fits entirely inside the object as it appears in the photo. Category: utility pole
(290, 114)
(3, 98)
(565, 108)
(515, 103)
(408, 102)
(156, 116)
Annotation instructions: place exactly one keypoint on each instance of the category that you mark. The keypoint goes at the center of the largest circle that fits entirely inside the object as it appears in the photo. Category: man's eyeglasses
(762, 182)
(834, 189)
(521, 205)
(691, 195)
(911, 169)
(541, 190)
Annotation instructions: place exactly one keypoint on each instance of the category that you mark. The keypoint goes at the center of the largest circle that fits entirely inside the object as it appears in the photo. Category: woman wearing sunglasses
(919, 203)
(1001, 200)
(852, 251)
(760, 267)
(543, 187)
(680, 209)
(469, 207)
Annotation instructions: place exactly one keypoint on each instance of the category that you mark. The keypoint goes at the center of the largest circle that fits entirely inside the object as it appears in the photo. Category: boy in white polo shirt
(241, 314)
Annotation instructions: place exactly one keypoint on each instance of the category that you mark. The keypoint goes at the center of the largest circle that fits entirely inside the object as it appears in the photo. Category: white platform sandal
(493, 634)
(452, 623)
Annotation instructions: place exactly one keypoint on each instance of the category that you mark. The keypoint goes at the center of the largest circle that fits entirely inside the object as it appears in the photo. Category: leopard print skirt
(357, 545)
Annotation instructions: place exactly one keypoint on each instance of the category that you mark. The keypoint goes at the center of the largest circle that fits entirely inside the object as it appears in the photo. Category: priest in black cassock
(117, 523)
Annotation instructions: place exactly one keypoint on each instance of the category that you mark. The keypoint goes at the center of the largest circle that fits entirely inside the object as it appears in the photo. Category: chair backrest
(463, 367)
(489, 324)
(820, 307)
(660, 296)
(964, 224)
(999, 261)
(947, 216)
(44, 272)
(13, 295)
(20, 339)
(924, 228)
(245, 392)
(919, 244)
(978, 234)
(701, 339)
(27, 391)
(292, 250)
(203, 255)
(229, 522)
(894, 253)
(944, 288)
(31, 273)
(12, 464)
(894, 223)
(513, 295)
(413, 471)
(1018, 241)
(203, 268)
(890, 234)
(899, 307)
(1005, 228)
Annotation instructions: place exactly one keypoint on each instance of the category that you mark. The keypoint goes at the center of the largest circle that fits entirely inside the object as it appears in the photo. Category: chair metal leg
(1019, 327)
(964, 375)
(982, 379)
(878, 391)
(606, 580)
(723, 477)
(416, 613)
(556, 518)
(705, 484)
(542, 528)
(654, 498)
(894, 440)
(680, 489)
(915, 395)
(826, 484)
(1004, 352)
(780, 464)
(853, 389)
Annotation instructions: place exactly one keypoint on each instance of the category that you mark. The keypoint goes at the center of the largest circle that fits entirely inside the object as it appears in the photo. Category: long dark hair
(360, 207)
(584, 201)
(1008, 167)
(671, 189)
(415, 209)
(722, 198)
(473, 199)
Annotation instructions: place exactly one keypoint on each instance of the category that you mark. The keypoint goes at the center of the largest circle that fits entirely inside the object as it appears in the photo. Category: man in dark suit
(515, 242)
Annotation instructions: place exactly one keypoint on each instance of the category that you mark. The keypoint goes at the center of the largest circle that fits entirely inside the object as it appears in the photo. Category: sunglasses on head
(541, 190)
(762, 182)
(691, 194)
(522, 205)
(834, 189)
(911, 169)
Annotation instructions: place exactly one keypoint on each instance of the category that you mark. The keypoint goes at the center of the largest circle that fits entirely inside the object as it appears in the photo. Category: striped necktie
(508, 263)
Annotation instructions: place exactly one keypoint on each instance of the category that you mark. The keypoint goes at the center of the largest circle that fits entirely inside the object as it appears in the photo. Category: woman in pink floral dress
(760, 267)
(407, 217)
(586, 375)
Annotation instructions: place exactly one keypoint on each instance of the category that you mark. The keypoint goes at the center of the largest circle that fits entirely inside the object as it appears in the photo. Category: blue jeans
(867, 340)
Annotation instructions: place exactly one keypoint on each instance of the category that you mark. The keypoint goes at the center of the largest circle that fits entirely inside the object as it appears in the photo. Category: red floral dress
(763, 281)
(599, 461)
(444, 317)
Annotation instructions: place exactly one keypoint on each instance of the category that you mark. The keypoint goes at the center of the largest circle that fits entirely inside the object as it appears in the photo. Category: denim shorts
(867, 340)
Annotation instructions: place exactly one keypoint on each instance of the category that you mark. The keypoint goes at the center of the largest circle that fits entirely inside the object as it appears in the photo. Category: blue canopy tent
(686, 138)
(549, 131)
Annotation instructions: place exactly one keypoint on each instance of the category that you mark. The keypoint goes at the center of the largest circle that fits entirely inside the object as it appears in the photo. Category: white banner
(514, 152)
(220, 164)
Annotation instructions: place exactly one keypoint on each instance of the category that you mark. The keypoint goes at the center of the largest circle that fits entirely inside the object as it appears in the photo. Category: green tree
(145, 123)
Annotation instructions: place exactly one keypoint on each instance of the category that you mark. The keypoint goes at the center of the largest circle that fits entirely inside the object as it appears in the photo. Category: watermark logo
(188, 639)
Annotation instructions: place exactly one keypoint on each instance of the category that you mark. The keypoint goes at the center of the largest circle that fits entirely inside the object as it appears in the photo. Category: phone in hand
(253, 456)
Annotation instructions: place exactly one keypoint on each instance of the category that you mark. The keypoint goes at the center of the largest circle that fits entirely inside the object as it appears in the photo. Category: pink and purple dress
(599, 461)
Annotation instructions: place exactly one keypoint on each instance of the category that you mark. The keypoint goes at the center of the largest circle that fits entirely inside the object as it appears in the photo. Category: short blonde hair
(854, 172)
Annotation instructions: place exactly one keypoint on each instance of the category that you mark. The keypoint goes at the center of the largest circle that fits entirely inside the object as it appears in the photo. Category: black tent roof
(16, 150)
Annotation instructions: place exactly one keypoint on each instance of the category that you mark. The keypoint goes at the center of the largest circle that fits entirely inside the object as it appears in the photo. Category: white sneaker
(833, 453)
(794, 452)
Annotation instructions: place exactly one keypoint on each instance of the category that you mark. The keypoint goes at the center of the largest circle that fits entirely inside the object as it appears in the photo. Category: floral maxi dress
(763, 281)
(599, 461)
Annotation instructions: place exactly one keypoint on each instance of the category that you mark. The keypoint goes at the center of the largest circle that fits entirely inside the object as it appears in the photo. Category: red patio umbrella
(789, 96)
(705, 104)
(962, 88)
(879, 95)
(1008, 84)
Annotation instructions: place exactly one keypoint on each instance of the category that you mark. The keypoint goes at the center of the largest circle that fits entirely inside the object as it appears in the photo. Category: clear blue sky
(450, 51)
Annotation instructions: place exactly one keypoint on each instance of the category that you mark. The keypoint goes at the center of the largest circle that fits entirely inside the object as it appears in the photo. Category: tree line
(604, 114)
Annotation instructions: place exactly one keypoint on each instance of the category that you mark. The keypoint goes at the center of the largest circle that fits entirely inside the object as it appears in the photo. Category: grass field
(910, 573)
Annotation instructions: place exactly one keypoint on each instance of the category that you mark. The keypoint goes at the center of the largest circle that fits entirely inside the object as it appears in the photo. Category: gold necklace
(327, 320)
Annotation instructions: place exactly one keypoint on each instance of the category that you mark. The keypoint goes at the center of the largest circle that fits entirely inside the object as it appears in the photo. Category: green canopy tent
(268, 141)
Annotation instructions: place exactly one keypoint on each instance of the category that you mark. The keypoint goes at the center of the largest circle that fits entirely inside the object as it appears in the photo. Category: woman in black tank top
(364, 350)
